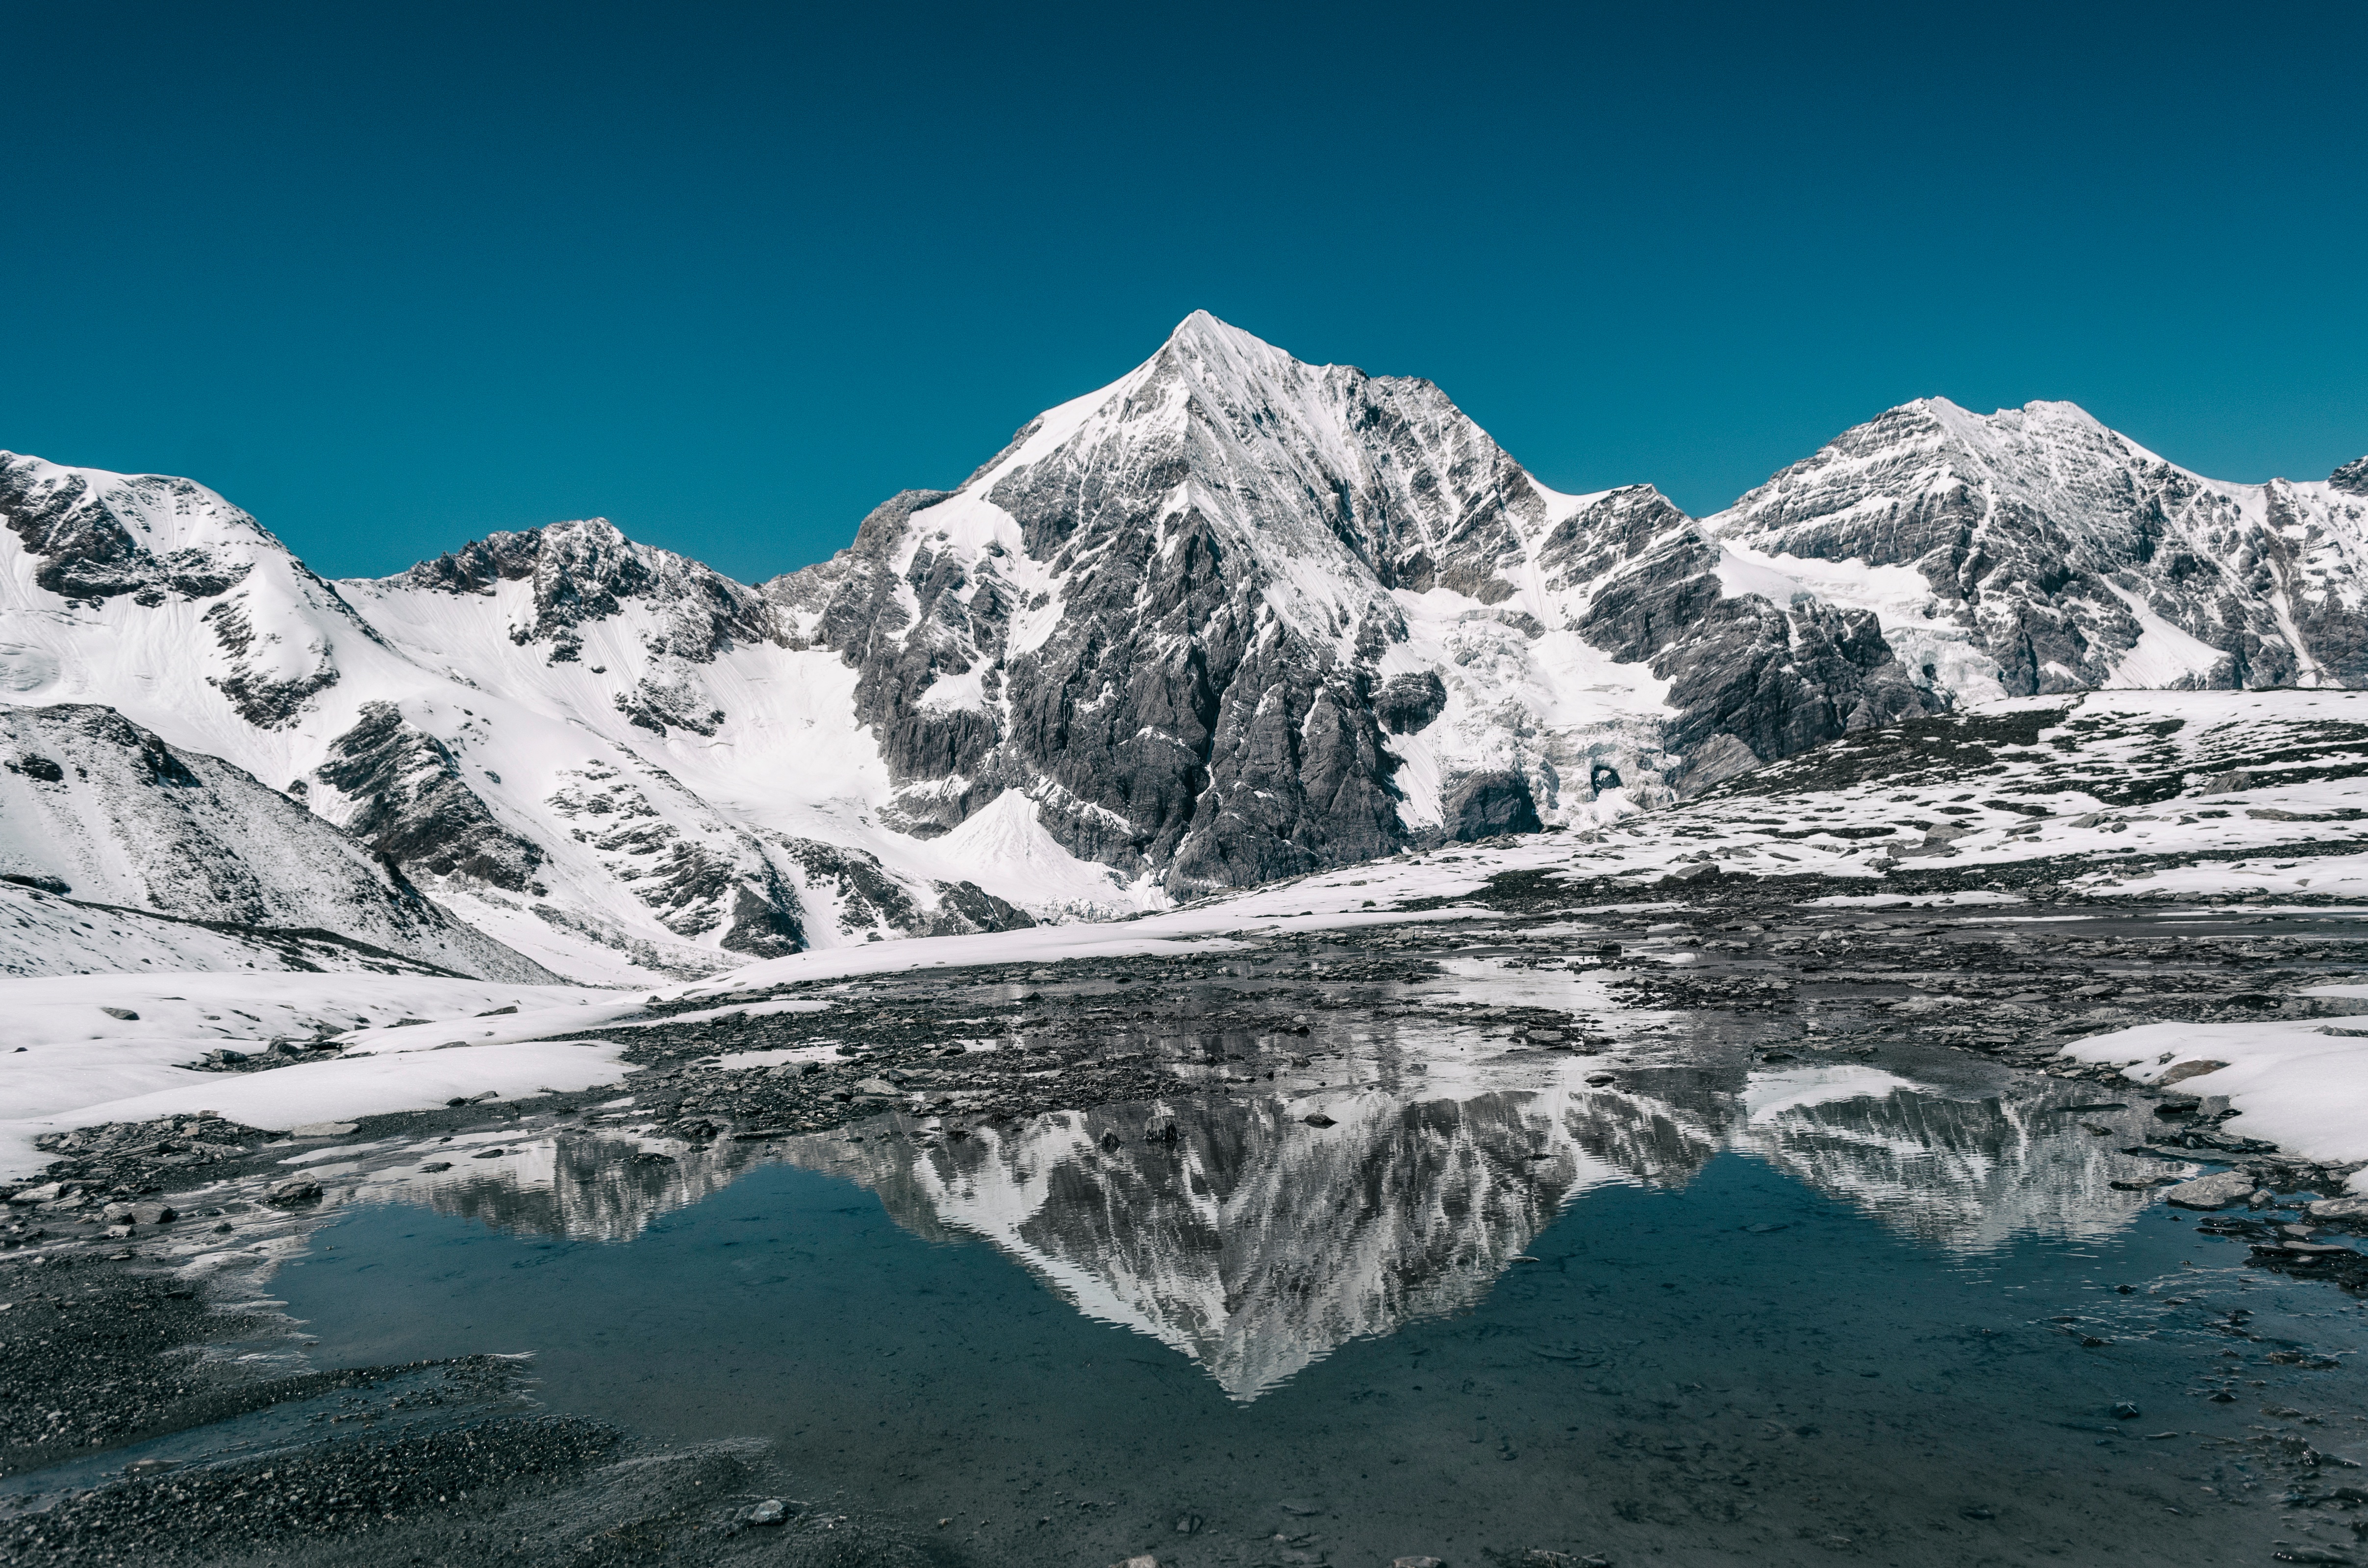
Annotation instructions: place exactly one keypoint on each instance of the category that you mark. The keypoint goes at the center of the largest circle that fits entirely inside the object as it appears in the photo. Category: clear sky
(392, 276)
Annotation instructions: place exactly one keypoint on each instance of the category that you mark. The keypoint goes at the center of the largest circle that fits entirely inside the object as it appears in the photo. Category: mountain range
(1231, 617)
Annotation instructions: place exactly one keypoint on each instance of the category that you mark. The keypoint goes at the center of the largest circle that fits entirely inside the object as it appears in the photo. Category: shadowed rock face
(409, 803)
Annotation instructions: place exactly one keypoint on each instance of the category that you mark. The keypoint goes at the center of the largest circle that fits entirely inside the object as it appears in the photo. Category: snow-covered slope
(93, 806)
(1229, 619)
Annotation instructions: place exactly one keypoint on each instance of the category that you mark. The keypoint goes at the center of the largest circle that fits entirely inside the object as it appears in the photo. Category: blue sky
(392, 276)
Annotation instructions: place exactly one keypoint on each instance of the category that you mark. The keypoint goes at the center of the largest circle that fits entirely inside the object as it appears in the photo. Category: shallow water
(1718, 1312)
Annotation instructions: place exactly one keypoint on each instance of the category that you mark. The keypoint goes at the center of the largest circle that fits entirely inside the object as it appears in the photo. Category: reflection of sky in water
(1229, 1229)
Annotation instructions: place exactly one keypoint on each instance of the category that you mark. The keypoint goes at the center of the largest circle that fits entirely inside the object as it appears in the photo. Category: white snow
(2301, 1084)
(65, 1063)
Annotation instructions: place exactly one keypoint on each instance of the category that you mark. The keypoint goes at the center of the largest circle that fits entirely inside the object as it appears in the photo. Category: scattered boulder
(1317, 1119)
(771, 1511)
(126, 1014)
(2222, 1190)
(294, 1192)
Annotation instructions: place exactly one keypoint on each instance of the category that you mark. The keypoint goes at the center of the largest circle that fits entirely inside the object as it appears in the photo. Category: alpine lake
(1739, 1234)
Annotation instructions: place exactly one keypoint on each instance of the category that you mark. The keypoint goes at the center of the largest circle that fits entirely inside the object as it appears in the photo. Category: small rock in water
(1316, 1118)
(1186, 1523)
(295, 1190)
(1417, 1563)
(2340, 1208)
(1142, 1559)
(434, 1165)
(771, 1511)
(2125, 1411)
(2211, 1192)
(1304, 1510)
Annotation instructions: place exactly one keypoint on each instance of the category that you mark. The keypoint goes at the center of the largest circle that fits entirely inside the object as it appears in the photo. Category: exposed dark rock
(584, 572)
(86, 549)
(1486, 804)
(412, 805)
(1408, 703)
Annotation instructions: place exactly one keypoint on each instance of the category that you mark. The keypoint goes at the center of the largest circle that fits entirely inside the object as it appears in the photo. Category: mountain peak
(1202, 330)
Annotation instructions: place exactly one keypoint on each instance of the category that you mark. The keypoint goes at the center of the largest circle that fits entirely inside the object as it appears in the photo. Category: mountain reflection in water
(1255, 1244)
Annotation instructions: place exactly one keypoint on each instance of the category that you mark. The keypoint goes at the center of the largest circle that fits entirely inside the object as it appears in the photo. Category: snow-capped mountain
(535, 730)
(1231, 617)
(1234, 616)
(2035, 551)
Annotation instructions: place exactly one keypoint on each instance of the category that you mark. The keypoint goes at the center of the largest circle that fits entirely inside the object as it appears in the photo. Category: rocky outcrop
(90, 547)
(403, 796)
(580, 573)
